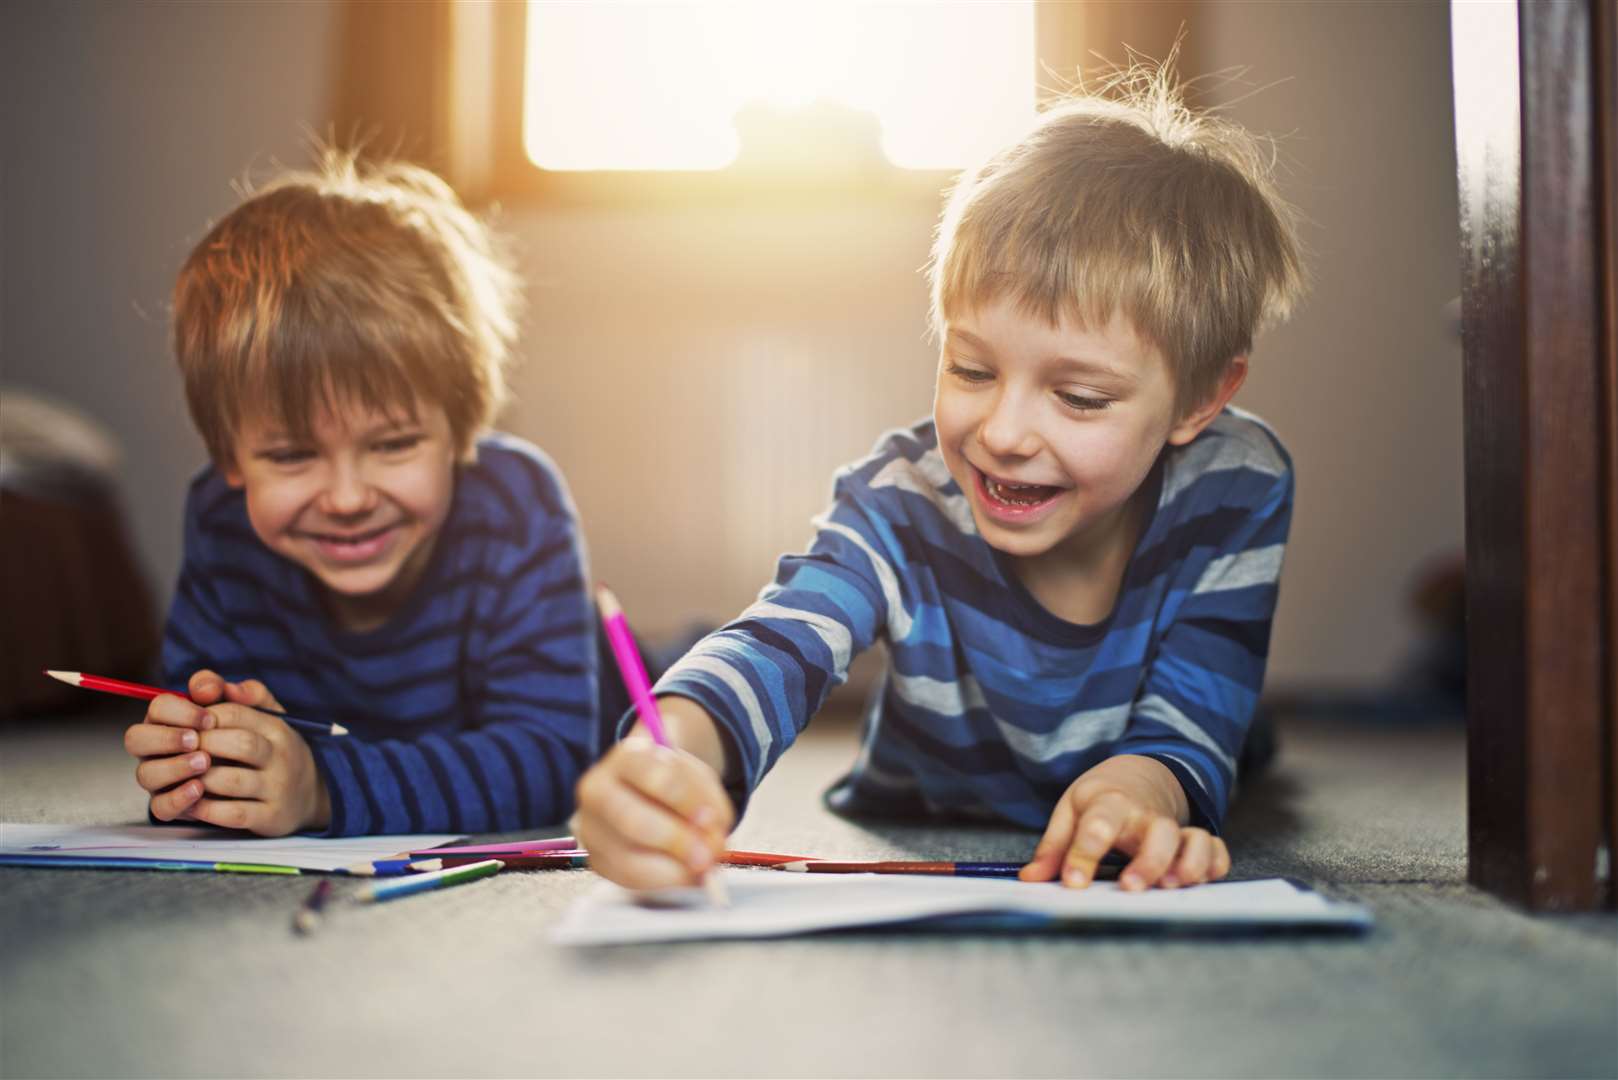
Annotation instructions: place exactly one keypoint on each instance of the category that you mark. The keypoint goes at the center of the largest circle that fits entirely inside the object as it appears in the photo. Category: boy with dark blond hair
(362, 550)
(1072, 565)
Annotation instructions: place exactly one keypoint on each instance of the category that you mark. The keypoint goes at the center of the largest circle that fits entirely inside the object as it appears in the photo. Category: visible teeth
(1015, 493)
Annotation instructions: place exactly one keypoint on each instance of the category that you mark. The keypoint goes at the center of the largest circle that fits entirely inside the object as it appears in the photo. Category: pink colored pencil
(640, 692)
(629, 664)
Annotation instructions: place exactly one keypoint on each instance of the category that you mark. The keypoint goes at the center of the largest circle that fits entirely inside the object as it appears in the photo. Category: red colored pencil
(896, 866)
(147, 693)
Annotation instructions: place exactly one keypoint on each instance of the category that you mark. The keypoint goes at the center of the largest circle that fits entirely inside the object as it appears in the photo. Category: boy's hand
(652, 815)
(1136, 805)
(227, 763)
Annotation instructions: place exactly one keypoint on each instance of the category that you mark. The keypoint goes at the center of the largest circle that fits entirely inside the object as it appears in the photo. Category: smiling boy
(1072, 566)
(361, 544)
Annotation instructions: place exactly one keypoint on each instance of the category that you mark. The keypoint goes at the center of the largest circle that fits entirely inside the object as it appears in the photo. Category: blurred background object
(73, 593)
(760, 324)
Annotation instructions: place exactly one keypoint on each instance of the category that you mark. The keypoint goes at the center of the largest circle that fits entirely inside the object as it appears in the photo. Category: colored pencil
(127, 862)
(308, 916)
(415, 883)
(147, 693)
(895, 866)
(510, 847)
(760, 858)
(640, 692)
(379, 868)
(571, 861)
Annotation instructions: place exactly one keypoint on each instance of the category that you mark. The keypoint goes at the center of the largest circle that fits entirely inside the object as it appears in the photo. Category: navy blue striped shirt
(991, 705)
(473, 709)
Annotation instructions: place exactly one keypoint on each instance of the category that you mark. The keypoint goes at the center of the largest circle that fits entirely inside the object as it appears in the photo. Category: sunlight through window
(693, 86)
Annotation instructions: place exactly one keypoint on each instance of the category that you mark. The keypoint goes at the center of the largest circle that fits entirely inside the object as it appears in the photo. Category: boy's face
(1050, 429)
(358, 506)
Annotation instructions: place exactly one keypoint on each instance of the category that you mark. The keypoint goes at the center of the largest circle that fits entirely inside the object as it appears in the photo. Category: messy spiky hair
(353, 283)
(1124, 200)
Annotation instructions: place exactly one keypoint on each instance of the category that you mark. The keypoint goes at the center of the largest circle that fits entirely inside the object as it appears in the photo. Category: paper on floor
(768, 903)
(208, 844)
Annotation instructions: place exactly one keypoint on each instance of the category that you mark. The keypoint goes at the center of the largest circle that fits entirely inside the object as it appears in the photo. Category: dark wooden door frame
(1534, 128)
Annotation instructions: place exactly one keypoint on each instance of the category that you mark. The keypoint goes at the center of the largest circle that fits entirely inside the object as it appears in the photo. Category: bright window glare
(658, 85)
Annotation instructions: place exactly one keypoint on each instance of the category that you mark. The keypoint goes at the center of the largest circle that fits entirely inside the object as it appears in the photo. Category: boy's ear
(1191, 424)
(233, 475)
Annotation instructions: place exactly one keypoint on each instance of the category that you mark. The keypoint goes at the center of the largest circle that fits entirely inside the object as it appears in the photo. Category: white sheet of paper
(773, 903)
(208, 844)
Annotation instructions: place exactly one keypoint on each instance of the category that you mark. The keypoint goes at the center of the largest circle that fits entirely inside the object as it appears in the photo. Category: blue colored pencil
(415, 883)
(895, 866)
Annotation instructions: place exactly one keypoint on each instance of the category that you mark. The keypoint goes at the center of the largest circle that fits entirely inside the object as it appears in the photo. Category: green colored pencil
(397, 887)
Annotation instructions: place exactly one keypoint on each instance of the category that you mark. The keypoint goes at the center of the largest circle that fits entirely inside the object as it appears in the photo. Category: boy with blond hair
(362, 550)
(1072, 565)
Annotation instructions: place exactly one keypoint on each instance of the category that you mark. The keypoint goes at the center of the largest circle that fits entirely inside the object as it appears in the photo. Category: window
(771, 84)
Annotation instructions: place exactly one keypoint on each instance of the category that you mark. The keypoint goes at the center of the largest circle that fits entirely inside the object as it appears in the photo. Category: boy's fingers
(1220, 865)
(1093, 837)
(155, 774)
(234, 783)
(1190, 867)
(639, 869)
(168, 805)
(176, 711)
(205, 687)
(251, 692)
(636, 822)
(682, 784)
(1058, 837)
(151, 740)
(228, 813)
(1159, 841)
(240, 745)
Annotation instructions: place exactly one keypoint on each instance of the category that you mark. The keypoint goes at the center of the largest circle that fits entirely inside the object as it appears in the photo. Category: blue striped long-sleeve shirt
(473, 709)
(991, 705)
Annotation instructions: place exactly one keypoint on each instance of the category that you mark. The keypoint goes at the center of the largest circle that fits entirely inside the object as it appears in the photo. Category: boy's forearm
(690, 728)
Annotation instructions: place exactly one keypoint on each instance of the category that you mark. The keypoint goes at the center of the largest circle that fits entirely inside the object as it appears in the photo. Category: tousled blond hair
(1127, 201)
(349, 283)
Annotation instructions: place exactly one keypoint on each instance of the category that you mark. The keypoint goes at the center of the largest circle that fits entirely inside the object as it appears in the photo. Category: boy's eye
(398, 444)
(1081, 402)
(971, 375)
(286, 455)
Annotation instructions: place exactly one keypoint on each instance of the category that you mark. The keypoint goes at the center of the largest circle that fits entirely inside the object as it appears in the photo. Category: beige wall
(699, 372)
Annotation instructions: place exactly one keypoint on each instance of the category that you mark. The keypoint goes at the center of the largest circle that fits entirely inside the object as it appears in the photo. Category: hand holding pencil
(653, 812)
(225, 758)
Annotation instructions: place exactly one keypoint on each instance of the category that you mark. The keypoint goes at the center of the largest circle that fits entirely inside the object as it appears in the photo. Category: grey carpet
(148, 974)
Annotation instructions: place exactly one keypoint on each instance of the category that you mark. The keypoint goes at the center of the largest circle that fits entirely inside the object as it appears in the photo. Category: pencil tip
(718, 895)
(799, 867)
(607, 602)
(338, 729)
(70, 677)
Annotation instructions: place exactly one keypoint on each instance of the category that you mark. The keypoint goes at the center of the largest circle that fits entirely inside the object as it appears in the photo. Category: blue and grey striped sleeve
(198, 634)
(1202, 686)
(530, 724)
(764, 675)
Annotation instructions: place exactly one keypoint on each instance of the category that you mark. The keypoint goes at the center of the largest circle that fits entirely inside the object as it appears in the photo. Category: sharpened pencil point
(718, 895)
(338, 729)
(427, 865)
(799, 867)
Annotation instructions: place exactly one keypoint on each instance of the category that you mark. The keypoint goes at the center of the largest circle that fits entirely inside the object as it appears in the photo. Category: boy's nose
(349, 493)
(1007, 431)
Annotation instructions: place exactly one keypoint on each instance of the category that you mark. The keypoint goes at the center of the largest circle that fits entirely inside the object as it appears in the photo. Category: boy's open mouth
(354, 547)
(1014, 498)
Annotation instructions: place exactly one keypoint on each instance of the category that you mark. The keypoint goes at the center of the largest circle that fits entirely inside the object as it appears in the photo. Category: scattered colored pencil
(760, 858)
(640, 692)
(953, 869)
(415, 883)
(549, 861)
(308, 916)
(128, 862)
(379, 868)
(511, 847)
(147, 693)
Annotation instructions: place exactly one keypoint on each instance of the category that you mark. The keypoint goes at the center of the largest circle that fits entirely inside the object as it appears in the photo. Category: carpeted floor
(130, 974)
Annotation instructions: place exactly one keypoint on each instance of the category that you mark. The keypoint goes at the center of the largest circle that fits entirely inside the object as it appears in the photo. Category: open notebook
(767, 903)
(71, 845)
